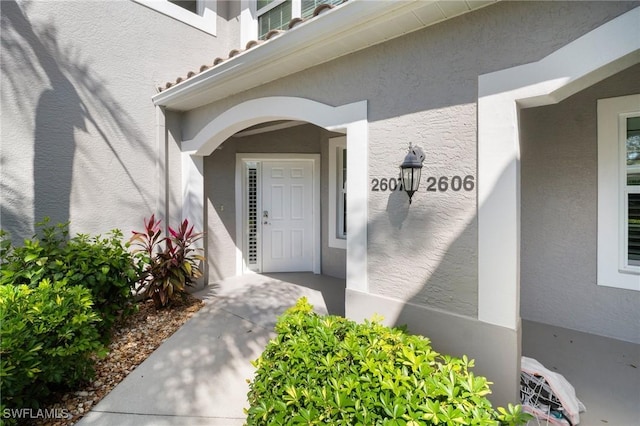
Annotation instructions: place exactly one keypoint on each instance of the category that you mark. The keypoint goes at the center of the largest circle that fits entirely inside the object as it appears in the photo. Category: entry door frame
(242, 161)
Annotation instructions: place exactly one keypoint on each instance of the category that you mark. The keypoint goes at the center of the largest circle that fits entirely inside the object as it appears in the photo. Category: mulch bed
(133, 341)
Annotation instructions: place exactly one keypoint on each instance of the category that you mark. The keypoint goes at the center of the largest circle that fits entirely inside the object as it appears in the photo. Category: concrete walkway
(199, 375)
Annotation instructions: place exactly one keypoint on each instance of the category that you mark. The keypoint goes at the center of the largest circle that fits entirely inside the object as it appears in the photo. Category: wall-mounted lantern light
(410, 170)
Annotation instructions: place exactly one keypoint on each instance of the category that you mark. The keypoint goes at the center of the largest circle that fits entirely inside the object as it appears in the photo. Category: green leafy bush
(46, 340)
(330, 370)
(170, 264)
(101, 264)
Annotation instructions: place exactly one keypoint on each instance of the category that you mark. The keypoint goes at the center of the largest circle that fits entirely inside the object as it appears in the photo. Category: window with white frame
(338, 192)
(273, 15)
(632, 189)
(276, 14)
(619, 192)
(200, 14)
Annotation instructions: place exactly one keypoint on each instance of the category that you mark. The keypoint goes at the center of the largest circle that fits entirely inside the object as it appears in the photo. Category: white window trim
(336, 143)
(613, 268)
(204, 20)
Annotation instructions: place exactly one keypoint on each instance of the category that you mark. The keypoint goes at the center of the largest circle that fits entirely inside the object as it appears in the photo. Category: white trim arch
(273, 108)
(593, 57)
(350, 119)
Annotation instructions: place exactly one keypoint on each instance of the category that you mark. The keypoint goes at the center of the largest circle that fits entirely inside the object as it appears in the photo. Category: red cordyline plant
(172, 263)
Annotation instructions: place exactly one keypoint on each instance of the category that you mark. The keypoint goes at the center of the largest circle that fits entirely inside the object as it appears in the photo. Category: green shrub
(47, 338)
(330, 370)
(101, 264)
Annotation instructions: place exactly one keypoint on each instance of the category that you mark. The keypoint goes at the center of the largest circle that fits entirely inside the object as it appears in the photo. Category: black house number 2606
(434, 184)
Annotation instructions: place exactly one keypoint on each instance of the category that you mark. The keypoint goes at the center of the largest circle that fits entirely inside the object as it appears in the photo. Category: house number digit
(433, 184)
(385, 184)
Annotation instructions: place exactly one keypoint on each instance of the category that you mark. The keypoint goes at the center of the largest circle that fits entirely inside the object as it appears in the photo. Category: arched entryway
(347, 120)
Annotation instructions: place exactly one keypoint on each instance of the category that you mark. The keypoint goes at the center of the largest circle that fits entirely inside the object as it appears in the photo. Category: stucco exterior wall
(78, 131)
(422, 88)
(228, 24)
(559, 149)
(220, 172)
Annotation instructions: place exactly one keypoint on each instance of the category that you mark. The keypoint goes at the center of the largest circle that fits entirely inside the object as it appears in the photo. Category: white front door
(287, 216)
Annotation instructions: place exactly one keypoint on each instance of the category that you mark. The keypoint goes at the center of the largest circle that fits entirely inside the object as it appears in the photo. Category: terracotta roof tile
(273, 33)
(251, 44)
(294, 22)
(322, 8)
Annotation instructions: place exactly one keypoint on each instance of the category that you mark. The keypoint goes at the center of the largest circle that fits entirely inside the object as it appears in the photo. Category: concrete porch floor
(604, 372)
(274, 293)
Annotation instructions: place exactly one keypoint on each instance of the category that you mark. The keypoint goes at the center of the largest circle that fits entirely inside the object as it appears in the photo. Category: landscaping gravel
(132, 342)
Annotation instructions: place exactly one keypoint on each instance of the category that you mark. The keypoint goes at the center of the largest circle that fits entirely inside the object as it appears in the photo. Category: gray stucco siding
(78, 131)
(422, 88)
(559, 217)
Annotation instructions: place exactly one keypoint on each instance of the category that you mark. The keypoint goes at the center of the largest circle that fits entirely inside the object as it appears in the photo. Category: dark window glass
(190, 5)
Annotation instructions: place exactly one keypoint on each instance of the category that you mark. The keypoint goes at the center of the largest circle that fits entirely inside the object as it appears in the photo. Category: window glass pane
(263, 3)
(190, 5)
(633, 181)
(308, 6)
(634, 229)
(344, 192)
(633, 151)
(275, 19)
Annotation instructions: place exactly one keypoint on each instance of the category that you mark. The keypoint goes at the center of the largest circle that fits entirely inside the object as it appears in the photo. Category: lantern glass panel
(411, 179)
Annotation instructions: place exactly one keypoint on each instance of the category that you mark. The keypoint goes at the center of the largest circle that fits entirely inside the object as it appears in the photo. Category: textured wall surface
(78, 124)
(559, 146)
(422, 88)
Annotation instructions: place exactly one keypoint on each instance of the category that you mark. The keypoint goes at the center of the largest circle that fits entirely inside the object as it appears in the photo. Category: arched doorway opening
(269, 119)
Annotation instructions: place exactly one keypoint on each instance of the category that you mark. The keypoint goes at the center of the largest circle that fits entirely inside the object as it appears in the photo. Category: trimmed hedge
(47, 337)
(330, 370)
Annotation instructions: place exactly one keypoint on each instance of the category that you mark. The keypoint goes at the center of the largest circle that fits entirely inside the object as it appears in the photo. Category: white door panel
(287, 217)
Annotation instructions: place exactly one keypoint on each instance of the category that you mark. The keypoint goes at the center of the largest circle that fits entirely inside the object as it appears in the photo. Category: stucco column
(193, 189)
(498, 212)
(357, 204)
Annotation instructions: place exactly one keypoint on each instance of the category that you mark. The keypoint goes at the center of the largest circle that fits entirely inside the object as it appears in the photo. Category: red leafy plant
(171, 263)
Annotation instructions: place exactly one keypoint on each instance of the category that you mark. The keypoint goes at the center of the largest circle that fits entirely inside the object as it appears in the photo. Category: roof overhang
(353, 26)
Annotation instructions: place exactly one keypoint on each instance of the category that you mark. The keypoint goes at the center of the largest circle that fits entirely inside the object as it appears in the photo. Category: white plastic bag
(548, 395)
